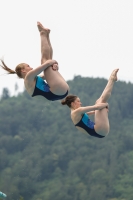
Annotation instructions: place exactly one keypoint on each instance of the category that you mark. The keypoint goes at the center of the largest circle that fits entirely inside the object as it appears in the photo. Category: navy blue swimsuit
(88, 125)
(43, 89)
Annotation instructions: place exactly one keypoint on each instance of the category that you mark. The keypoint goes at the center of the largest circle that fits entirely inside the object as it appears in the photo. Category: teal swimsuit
(43, 89)
(88, 125)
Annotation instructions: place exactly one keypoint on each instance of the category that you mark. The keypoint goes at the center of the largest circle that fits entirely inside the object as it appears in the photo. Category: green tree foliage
(5, 94)
(43, 156)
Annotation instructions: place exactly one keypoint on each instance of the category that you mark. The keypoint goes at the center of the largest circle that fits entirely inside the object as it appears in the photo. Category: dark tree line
(43, 156)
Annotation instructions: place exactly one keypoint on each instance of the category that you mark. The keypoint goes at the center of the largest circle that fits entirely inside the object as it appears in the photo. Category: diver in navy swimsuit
(80, 115)
(88, 126)
(43, 89)
(55, 87)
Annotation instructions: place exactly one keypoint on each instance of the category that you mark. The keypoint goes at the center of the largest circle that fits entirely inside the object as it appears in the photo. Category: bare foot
(114, 75)
(41, 28)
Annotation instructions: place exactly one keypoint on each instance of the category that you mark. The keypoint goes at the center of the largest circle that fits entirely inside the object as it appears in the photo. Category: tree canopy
(43, 156)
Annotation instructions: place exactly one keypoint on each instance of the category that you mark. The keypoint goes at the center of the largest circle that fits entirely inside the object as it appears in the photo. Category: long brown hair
(68, 100)
(10, 71)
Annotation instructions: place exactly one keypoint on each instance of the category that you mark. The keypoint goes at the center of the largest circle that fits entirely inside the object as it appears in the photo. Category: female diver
(79, 114)
(56, 87)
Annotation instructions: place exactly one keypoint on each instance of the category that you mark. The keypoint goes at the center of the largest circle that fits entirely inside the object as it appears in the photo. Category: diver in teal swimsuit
(86, 124)
(43, 89)
(35, 84)
(80, 115)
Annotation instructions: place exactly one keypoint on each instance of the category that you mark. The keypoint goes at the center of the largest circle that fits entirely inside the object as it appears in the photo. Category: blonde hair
(10, 71)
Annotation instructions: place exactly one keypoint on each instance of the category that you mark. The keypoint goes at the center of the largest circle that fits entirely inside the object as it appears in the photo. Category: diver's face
(27, 68)
(77, 103)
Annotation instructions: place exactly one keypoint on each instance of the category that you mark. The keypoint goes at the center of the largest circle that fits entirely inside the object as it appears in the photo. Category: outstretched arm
(33, 73)
(54, 67)
(91, 109)
(90, 113)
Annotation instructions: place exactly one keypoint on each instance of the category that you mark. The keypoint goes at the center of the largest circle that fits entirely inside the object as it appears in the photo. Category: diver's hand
(50, 63)
(55, 67)
(101, 106)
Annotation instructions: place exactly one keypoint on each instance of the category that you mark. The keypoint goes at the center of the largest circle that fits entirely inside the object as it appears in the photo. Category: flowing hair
(10, 71)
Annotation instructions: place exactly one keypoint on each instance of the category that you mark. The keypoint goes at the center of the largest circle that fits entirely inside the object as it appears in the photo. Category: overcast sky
(89, 37)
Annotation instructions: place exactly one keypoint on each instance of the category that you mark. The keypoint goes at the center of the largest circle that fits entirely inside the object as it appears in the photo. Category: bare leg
(54, 79)
(101, 116)
(51, 49)
(45, 48)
